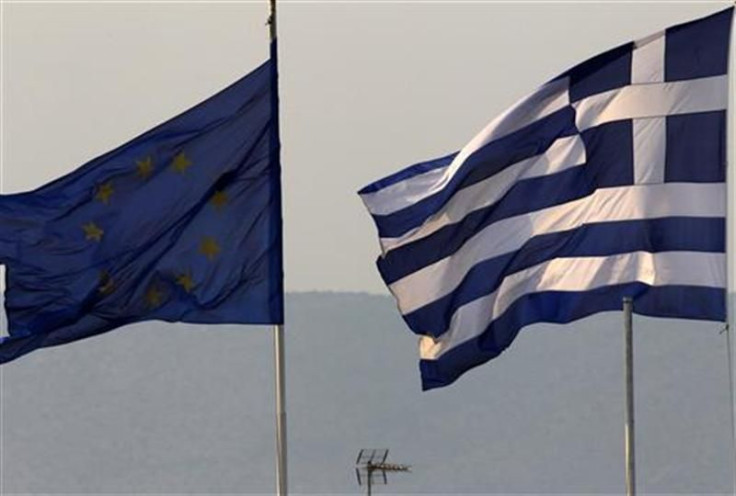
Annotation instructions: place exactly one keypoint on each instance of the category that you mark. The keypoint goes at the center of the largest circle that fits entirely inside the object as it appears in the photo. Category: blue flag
(181, 224)
(607, 181)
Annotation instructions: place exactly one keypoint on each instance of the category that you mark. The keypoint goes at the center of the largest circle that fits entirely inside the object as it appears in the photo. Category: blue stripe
(683, 302)
(608, 238)
(526, 196)
(409, 172)
(532, 140)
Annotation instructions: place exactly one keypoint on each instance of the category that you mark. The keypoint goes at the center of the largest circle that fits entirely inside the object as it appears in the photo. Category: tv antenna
(371, 468)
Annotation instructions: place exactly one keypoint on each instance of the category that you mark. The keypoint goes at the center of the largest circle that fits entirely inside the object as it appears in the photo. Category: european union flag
(182, 224)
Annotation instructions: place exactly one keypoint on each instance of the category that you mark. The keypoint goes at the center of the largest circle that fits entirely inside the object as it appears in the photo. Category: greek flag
(608, 181)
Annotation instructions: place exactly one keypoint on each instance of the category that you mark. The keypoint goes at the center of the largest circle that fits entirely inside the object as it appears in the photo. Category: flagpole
(629, 380)
(731, 244)
(278, 330)
(281, 479)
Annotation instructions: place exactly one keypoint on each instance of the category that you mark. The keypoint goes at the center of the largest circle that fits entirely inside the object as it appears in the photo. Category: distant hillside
(160, 408)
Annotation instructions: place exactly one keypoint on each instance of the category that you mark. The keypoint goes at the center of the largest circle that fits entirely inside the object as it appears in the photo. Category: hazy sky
(367, 88)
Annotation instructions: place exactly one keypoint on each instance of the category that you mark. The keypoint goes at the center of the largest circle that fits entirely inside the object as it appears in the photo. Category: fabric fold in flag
(608, 181)
(181, 224)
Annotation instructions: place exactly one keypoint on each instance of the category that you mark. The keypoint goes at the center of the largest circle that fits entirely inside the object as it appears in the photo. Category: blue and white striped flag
(608, 181)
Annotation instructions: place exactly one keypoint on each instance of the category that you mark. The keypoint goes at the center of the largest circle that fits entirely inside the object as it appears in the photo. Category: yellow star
(181, 163)
(219, 199)
(145, 167)
(104, 192)
(185, 281)
(106, 283)
(92, 232)
(154, 297)
(209, 247)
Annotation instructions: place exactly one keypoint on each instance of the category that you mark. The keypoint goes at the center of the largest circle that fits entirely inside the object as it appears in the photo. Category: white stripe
(578, 274)
(650, 148)
(604, 205)
(563, 154)
(652, 100)
(404, 193)
(549, 98)
(647, 60)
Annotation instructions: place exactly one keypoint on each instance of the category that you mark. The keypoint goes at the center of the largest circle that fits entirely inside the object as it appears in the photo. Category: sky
(367, 88)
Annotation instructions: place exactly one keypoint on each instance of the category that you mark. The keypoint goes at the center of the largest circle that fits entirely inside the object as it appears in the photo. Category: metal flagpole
(278, 330)
(629, 380)
(731, 243)
(281, 480)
